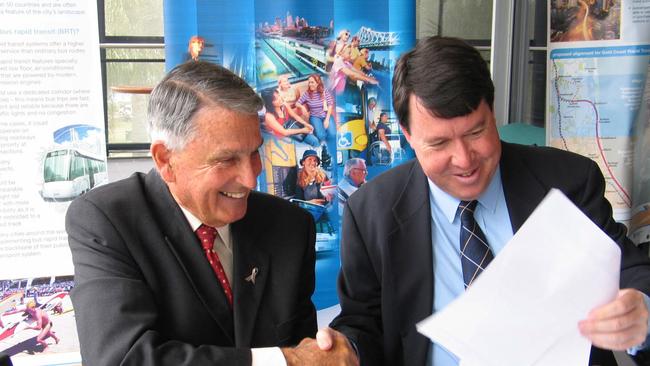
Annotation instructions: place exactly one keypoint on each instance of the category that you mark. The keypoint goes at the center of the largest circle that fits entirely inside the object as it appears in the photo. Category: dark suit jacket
(145, 294)
(386, 279)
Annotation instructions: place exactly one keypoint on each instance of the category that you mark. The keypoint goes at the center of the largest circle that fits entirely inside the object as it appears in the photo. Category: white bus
(68, 173)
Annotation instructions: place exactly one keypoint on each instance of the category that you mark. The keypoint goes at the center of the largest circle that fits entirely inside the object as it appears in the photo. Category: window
(528, 75)
(519, 58)
(55, 166)
(77, 169)
(130, 74)
(133, 18)
(469, 20)
(132, 53)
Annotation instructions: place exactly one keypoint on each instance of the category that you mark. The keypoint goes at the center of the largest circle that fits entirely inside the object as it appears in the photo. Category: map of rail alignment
(594, 97)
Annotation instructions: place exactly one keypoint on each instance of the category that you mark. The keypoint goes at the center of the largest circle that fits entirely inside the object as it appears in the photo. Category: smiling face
(215, 172)
(283, 83)
(312, 84)
(461, 154)
(277, 100)
(311, 165)
(358, 174)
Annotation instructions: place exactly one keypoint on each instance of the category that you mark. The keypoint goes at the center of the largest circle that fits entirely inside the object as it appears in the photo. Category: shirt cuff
(268, 356)
(646, 344)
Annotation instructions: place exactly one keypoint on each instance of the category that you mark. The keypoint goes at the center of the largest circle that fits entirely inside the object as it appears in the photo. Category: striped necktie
(475, 253)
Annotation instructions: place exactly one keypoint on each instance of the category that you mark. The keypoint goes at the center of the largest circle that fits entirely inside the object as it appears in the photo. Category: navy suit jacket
(145, 294)
(386, 280)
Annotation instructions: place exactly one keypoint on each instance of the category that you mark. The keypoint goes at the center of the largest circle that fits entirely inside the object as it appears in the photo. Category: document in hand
(525, 307)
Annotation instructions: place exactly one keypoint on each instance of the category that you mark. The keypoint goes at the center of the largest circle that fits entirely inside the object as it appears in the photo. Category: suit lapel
(522, 190)
(248, 255)
(411, 261)
(185, 246)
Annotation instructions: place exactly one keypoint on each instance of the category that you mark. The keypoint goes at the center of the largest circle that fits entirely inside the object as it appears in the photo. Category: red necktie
(206, 235)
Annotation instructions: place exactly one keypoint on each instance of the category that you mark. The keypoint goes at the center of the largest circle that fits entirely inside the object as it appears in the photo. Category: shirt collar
(224, 231)
(448, 204)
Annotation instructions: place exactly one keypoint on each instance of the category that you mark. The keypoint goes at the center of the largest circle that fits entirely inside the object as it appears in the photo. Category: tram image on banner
(69, 173)
(75, 164)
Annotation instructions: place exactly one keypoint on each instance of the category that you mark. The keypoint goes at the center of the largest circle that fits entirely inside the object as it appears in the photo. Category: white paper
(525, 307)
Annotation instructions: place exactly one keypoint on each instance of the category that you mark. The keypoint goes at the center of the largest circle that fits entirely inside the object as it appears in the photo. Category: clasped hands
(618, 325)
(328, 349)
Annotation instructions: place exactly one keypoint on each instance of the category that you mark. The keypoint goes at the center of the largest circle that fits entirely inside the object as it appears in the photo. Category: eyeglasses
(363, 170)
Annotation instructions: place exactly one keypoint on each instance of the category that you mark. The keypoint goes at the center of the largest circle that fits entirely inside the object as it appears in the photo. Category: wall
(119, 168)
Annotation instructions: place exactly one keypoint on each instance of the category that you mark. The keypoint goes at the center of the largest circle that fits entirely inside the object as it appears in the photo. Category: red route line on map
(600, 148)
(602, 151)
(628, 200)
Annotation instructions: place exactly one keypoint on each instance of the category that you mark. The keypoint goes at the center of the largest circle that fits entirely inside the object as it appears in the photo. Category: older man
(402, 232)
(354, 175)
(184, 265)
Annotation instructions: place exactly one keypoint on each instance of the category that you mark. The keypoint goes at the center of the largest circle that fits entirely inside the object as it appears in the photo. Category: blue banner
(324, 72)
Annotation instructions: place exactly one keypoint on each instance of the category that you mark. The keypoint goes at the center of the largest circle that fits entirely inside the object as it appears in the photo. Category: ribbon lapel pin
(251, 277)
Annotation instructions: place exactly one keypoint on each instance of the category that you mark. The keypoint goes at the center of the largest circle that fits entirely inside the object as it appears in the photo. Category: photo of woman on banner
(343, 71)
(289, 93)
(282, 121)
(314, 190)
(334, 47)
(342, 40)
(320, 103)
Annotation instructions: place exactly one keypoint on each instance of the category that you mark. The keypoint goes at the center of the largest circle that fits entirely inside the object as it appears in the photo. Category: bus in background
(68, 173)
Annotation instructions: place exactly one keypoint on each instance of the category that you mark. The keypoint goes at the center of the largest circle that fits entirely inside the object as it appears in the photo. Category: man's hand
(328, 349)
(618, 325)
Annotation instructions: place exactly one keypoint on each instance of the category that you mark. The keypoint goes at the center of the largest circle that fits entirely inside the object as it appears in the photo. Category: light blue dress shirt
(492, 216)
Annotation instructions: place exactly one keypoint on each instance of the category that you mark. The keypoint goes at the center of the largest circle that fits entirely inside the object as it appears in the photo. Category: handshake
(329, 348)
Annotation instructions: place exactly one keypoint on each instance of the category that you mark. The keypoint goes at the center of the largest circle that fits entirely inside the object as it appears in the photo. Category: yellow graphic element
(277, 153)
(358, 139)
